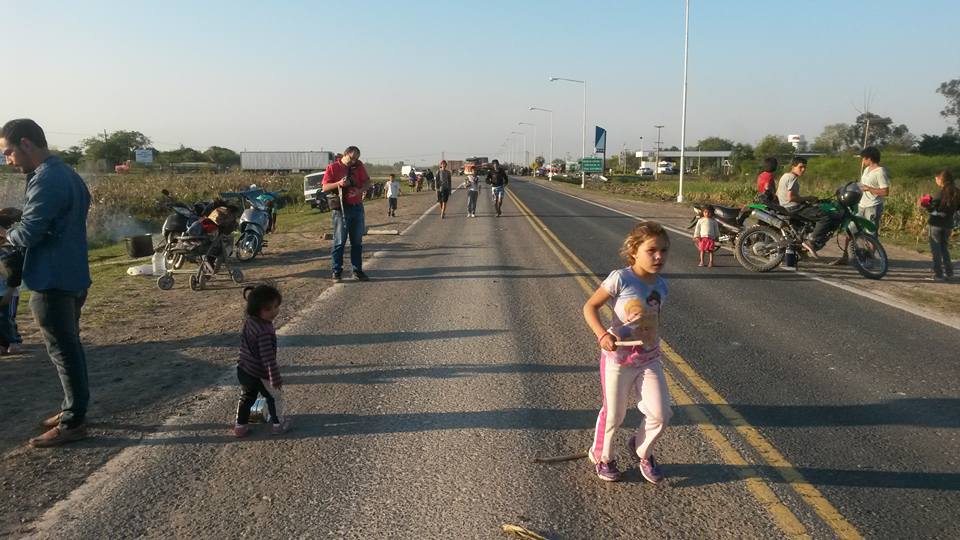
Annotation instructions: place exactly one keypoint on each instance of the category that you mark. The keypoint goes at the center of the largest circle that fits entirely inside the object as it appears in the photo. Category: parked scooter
(258, 219)
(729, 220)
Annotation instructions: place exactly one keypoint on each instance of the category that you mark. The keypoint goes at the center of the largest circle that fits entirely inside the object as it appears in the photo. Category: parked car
(645, 171)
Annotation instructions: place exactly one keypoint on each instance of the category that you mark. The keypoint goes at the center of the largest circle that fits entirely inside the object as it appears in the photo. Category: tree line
(118, 147)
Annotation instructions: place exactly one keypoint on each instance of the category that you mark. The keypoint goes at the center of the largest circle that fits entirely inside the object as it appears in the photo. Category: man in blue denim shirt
(53, 234)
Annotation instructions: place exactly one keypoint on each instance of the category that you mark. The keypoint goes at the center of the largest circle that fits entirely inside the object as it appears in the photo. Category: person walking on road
(473, 190)
(428, 176)
(393, 192)
(444, 187)
(705, 235)
(53, 234)
(943, 209)
(630, 356)
(257, 369)
(348, 177)
(498, 180)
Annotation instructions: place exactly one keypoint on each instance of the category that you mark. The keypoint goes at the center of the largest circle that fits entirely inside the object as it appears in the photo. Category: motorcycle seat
(726, 212)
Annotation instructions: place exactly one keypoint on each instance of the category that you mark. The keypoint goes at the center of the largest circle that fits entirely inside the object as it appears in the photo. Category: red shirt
(337, 171)
(765, 182)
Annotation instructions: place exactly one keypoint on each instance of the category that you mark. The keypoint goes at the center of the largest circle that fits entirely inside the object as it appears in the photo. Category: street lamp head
(553, 79)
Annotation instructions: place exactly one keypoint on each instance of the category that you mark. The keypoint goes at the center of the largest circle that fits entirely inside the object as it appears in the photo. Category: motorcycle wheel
(195, 283)
(236, 275)
(247, 247)
(868, 256)
(758, 248)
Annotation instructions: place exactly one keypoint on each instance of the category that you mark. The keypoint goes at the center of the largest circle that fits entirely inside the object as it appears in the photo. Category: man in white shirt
(875, 184)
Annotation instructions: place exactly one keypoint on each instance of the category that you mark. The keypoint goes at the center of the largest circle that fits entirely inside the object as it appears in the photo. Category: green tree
(116, 148)
(182, 155)
(951, 92)
(715, 143)
(741, 152)
(539, 161)
(70, 156)
(934, 145)
(222, 156)
(882, 131)
(775, 146)
(834, 138)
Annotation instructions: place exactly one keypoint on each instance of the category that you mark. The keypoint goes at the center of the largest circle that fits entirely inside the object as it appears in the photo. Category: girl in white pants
(630, 357)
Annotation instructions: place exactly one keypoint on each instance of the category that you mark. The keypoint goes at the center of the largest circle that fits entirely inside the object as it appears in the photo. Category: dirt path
(151, 353)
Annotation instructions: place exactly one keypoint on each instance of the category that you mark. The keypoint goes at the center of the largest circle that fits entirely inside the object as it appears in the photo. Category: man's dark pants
(58, 315)
(824, 223)
(354, 217)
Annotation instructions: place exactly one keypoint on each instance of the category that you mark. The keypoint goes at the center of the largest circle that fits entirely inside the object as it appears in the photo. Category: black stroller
(208, 242)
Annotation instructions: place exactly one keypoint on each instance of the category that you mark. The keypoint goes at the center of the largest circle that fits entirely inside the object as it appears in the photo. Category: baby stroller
(207, 242)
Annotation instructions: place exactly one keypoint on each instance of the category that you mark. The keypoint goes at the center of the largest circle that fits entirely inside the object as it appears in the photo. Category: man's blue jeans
(58, 316)
(354, 217)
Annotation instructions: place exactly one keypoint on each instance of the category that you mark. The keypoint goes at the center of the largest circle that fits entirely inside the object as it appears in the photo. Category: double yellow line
(784, 518)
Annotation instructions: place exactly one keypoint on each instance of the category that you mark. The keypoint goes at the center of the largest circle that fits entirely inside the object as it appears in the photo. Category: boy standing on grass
(393, 191)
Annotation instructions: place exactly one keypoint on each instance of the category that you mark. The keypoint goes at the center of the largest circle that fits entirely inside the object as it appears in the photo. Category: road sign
(593, 165)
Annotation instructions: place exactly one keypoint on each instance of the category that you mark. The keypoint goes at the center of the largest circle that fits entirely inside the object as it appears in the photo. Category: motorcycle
(258, 219)
(780, 234)
(729, 221)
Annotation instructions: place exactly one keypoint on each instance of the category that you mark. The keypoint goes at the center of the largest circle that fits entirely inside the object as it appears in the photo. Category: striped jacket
(258, 351)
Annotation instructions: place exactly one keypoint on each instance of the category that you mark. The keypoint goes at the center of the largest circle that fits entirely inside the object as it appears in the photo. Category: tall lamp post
(534, 137)
(524, 154)
(550, 174)
(683, 113)
(656, 166)
(583, 134)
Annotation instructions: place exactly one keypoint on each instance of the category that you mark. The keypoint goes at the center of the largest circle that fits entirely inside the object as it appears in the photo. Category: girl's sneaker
(650, 470)
(282, 427)
(241, 430)
(608, 472)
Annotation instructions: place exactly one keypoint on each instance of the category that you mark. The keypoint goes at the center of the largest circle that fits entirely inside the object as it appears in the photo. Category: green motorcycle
(780, 234)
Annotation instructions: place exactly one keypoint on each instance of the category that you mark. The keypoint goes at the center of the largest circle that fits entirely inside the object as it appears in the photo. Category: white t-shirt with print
(877, 178)
(638, 302)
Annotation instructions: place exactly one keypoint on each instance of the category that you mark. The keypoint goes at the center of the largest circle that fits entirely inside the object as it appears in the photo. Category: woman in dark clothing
(942, 210)
(444, 186)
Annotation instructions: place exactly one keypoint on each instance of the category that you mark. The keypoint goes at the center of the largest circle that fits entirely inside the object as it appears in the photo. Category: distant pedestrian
(766, 183)
(393, 192)
(943, 210)
(257, 369)
(706, 234)
(348, 177)
(497, 179)
(412, 177)
(473, 189)
(444, 186)
(428, 177)
(53, 235)
(637, 294)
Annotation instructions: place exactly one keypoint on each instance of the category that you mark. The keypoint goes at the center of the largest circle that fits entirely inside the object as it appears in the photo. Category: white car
(645, 171)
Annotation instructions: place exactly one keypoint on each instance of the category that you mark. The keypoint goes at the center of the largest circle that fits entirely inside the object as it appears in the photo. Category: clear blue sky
(407, 80)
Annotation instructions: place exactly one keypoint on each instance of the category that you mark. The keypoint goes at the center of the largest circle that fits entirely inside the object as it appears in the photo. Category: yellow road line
(782, 515)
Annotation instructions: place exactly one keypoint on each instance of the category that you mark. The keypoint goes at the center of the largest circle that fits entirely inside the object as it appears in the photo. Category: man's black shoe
(360, 276)
(337, 277)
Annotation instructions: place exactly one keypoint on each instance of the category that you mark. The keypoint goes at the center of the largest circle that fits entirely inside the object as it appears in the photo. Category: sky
(411, 81)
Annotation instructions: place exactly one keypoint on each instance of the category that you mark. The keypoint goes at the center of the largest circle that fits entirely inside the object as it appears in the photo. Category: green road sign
(593, 165)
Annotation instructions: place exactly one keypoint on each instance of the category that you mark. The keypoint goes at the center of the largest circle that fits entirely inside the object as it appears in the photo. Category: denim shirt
(53, 229)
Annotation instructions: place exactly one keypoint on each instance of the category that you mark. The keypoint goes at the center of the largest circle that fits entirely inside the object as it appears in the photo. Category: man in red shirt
(348, 177)
(766, 185)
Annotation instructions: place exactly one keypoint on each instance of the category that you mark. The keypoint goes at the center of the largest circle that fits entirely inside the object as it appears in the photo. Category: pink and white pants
(616, 382)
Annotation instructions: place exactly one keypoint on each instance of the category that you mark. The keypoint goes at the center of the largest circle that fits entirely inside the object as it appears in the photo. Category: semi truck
(285, 161)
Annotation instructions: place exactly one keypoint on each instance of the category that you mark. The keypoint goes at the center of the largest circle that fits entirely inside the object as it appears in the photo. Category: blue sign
(600, 141)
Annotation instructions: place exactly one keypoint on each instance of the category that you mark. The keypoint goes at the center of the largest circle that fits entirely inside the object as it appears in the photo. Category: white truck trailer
(285, 161)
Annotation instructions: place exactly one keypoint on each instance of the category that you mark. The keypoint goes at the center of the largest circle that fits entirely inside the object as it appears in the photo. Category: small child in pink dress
(705, 235)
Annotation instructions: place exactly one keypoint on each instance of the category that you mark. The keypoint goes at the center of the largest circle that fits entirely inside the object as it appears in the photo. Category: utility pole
(656, 166)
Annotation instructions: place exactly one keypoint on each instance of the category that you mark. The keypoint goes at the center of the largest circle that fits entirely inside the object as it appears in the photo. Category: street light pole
(583, 134)
(524, 154)
(549, 174)
(683, 113)
(656, 166)
(534, 138)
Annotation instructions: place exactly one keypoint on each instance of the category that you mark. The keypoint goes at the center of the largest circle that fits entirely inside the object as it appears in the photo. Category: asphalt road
(421, 397)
